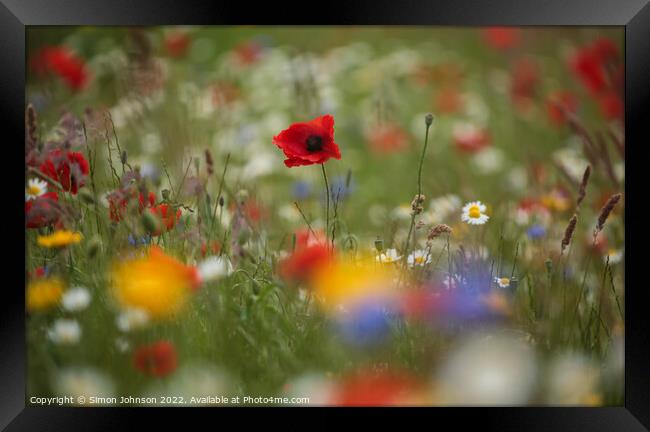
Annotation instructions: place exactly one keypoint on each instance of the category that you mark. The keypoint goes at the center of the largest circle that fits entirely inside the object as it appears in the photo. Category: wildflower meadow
(325, 216)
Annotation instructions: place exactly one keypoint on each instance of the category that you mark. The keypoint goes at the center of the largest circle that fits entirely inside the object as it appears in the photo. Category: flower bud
(150, 222)
(379, 245)
(428, 119)
(86, 196)
(94, 247)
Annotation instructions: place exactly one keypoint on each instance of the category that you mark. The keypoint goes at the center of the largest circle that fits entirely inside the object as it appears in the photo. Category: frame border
(634, 15)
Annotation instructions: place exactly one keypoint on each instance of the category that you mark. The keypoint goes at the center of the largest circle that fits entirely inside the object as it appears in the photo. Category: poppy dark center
(314, 143)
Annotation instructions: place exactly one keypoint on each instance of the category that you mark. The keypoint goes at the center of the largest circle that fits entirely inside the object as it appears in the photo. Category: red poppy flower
(68, 168)
(470, 139)
(502, 38)
(118, 201)
(166, 214)
(448, 101)
(611, 105)
(308, 143)
(378, 389)
(587, 65)
(176, 43)
(248, 52)
(158, 359)
(61, 61)
(525, 77)
(559, 104)
(388, 138)
(41, 211)
(310, 254)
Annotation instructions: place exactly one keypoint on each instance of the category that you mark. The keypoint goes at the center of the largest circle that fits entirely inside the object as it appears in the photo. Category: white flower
(85, 382)
(214, 268)
(35, 188)
(76, 299)
(488, 370)
(419, 257)
(390, 256)
(503, 282)
(474, 213)
(489, 160)
(132, 318)
(65, 332)
(615, 256)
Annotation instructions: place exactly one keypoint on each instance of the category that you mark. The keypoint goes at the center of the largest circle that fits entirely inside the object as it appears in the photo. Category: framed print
(419, 207)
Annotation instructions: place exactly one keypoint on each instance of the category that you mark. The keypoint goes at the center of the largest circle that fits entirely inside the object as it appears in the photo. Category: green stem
(327, 194)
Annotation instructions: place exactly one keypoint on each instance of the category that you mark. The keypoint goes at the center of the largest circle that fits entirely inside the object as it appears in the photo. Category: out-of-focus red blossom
(418, 303)
(248, 53)
(177, 43)
(598, 66)
(611, 105)
(167, 216)
(448, 101)
(40, 212)
(558, 104)
(158, 359)
(308, 143)
(68, 168)
(117, 203)
(215, 248)
(470, 138)
(379, 389)
(600, 246)
(64, 63)
(502, 38)
(388, 138)
(254, 211)
(525, 76)
(224, 93)
(38, 272)
(310, 254)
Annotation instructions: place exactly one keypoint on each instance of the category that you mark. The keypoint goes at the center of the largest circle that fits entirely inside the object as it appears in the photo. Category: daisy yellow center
(504, 281)
(419, 259)
(34, 189)
(474, 212)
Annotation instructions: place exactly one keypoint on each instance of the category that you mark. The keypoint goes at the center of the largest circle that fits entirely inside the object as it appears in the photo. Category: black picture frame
(633, 15)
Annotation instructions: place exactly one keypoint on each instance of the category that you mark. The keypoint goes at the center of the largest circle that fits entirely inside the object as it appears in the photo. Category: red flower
(308, 143)
(388, 139)
(158, 359)
(62, 62)
(167, 216)
(118, 201)
(448, 101)
(311, 253)
(588, 66)
(559, 104)
(502, 38)
(176, 43)
(69, 169)
(524, 81)
(248, 52)
(215, 248)
(611, 105)
(378, 389)
(41, 211)
(470, 139)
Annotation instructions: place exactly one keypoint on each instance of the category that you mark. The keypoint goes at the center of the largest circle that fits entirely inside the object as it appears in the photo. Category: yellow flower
(346, 282)
(156, 283)
(59, 239)
(44, 293)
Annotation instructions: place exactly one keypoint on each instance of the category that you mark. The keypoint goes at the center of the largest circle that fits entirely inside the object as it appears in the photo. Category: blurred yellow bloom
(155, 283)
(345, 281)
(44, 293)
(59, 239)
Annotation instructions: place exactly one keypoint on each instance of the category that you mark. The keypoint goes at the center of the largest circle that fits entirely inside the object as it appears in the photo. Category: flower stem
(327, 194)
(413, 214)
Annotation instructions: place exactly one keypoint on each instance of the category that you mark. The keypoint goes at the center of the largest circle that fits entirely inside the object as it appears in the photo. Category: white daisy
(35, 188)
(214, 268)
(419, 257)
(76, 299)
(615, 256)
(502, 282)
(65, 332)
(390, 256)
(474, 213)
